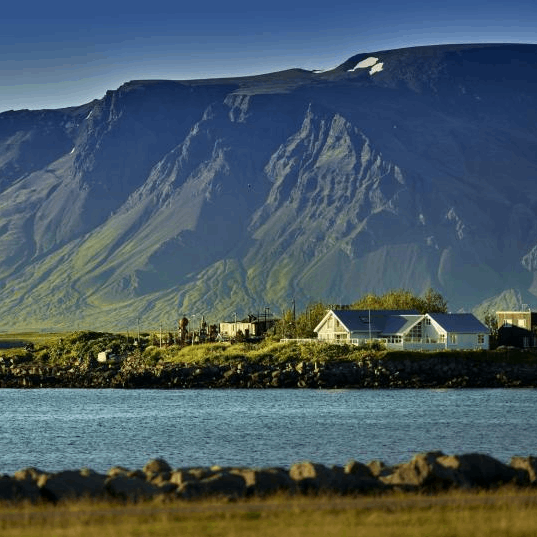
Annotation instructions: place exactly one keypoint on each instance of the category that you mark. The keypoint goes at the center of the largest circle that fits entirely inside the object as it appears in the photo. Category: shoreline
(426, 372)
(426, 473)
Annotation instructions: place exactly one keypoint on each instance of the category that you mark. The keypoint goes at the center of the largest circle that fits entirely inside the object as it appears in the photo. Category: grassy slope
(65, 347)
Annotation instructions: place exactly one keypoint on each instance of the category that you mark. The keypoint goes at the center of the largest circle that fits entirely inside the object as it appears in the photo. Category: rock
(131, 488)
(71, 484)
(311, 477)
(29, 474)
(17, 490)
(358, 469)
(118, 470)
(265, 481)
(223, 484)
(423, 472)
(157, 466)
(157, 471)
(479, 470)
(180, 477)
(378, 468)
(360, 478)
(528, 464)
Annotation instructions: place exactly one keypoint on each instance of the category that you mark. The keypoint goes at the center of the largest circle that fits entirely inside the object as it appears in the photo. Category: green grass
(67, 348)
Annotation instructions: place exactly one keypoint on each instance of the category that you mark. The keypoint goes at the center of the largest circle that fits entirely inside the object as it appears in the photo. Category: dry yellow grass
(511, 514)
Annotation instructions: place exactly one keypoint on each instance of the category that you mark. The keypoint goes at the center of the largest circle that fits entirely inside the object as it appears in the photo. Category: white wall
(332, 329)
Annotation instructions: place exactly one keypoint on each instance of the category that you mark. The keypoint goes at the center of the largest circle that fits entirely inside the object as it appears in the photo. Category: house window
(453, 338)
(415, 331)
(427, 320)
(522, 323)
(480, 339)
(337, 323)
(508, 322)
(442, 338)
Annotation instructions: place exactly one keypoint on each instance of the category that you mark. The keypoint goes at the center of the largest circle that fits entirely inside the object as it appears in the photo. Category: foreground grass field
(503, 513)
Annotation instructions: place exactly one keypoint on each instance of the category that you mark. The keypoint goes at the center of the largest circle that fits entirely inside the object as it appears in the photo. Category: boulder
(131, 489)
(16, 490)
(221, 485)
(161, 480)
(117, 470)
(313, 477)
(179, 477)
(378, 468)
(359, 479)
(480, 470)
(157, 466)
(422, 471)
(29, 474)
(265, 481)
(527, 464)
(157, 472)
(71, 484)
(358, 469)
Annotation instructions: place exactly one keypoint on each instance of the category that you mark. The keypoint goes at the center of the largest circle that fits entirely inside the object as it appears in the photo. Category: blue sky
(59, 53)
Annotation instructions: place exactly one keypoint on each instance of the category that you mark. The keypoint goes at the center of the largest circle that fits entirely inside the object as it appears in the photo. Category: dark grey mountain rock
(404, 168)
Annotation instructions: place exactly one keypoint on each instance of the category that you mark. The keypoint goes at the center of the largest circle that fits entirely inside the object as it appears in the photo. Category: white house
(404, 329)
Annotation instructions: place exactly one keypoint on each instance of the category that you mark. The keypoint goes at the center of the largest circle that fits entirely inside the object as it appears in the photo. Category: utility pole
(294, 318)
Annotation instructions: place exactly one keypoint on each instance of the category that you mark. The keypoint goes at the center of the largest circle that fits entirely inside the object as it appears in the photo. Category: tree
(434, 302)
(300, 325)
(309, 319)
(403, 299)
(491, 322)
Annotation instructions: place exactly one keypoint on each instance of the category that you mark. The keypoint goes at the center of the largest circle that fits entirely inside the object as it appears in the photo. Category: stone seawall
(425, 372)
(427, 472)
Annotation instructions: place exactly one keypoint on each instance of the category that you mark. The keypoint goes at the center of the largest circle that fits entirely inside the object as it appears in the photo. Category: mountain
(402, 168)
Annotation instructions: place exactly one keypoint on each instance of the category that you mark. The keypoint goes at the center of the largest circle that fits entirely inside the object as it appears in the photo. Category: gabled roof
(462, 323)
(358, 320)
(400, 324)
(393, 322)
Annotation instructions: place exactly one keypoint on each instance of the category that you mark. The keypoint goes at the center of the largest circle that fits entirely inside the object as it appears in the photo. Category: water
(66, 429)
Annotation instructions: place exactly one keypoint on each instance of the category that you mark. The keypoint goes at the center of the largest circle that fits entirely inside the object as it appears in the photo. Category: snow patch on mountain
(368, 62)
(376, 68)
(371, 62)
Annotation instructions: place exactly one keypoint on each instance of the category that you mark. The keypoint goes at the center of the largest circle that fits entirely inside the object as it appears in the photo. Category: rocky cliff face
(407, 168)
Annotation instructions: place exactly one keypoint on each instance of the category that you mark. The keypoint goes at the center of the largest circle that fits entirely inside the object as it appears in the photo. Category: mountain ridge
(170, 198)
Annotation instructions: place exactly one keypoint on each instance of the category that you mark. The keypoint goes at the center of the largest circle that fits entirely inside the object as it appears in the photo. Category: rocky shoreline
(427, 472)
(425, 372)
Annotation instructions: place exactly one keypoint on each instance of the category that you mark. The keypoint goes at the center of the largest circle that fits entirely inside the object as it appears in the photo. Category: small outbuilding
(517, 328)
(107, 356)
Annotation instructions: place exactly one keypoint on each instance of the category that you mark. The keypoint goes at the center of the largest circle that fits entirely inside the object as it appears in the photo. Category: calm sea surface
(66, 429)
